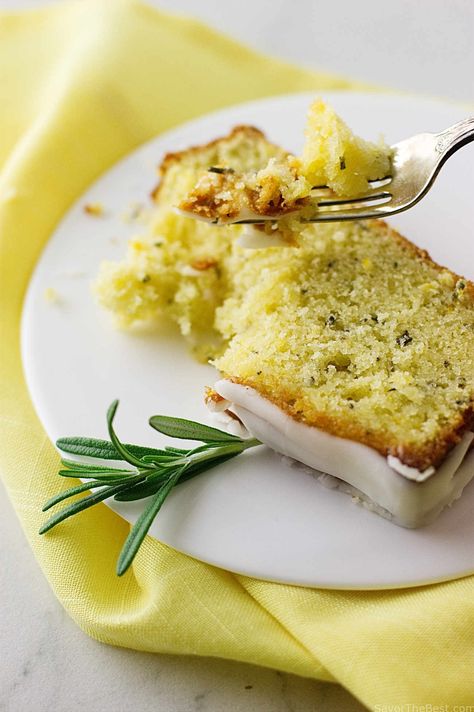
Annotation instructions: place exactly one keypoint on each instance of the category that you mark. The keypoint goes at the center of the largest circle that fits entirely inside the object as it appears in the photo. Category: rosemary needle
(152, 472)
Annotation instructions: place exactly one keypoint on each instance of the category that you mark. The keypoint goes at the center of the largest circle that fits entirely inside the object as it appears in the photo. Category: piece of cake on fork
(333, 159)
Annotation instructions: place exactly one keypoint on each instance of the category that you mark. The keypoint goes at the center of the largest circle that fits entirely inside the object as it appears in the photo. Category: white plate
(254, 515)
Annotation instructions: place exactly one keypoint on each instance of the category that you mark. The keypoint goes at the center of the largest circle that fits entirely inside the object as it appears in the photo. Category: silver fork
(415, 164)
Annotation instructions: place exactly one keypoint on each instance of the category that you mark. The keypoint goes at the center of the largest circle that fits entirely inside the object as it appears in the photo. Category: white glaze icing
(411, 501)
(254, 239)
(410, 473)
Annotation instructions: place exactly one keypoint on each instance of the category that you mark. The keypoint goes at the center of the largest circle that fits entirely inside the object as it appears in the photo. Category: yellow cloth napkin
(82, 84)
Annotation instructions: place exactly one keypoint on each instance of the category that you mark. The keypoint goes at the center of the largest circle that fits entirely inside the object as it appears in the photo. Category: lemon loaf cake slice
(354, 353)
(345, 347)
(333, 157)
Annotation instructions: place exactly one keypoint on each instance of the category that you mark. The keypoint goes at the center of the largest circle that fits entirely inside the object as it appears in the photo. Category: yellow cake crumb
(51, 295)
(94, 209)
(334, 156)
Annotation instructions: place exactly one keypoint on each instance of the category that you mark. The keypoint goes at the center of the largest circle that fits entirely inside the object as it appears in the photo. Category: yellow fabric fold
(81, 84)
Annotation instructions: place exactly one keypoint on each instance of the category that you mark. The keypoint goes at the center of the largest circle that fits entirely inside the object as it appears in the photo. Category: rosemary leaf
(120, 447)
(102, 449)
(140, 529)
(142, 489)
(98, 475)
(189, 430)
(85, 467)
(165, 458)
(85, 503)
(71, 492)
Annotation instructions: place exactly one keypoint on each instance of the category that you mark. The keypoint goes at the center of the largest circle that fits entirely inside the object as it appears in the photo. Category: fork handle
(453, 138)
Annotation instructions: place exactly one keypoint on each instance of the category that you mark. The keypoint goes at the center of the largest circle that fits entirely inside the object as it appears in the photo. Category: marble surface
(48, 664)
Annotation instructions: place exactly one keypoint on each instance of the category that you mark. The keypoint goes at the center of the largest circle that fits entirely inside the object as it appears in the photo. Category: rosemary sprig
(153, 473)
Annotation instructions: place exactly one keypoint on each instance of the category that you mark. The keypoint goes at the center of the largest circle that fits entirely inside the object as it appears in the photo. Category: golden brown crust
(421, 254)
(421, 457)
(177, 156)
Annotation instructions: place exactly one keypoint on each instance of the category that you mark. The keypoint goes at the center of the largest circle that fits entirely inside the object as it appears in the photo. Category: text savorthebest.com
(410, 707)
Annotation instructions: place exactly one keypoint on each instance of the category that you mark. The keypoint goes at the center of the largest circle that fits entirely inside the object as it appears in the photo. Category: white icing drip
(254, 239)
(410, 473)
(411, 502)
(217, 406)
(231, 425)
